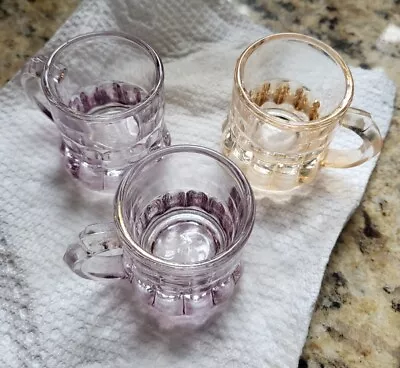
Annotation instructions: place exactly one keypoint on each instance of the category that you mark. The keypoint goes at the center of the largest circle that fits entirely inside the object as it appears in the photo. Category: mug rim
(148, 258)
(53, 98)
(301, 38)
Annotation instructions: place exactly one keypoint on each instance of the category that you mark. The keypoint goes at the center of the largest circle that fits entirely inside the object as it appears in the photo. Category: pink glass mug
(105, 93)
(182, 218)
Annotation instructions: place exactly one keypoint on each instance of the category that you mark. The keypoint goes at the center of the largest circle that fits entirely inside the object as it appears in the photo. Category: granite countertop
(356, 321)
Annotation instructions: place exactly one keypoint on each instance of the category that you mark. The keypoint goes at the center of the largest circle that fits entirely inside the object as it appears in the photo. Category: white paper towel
(51, 318)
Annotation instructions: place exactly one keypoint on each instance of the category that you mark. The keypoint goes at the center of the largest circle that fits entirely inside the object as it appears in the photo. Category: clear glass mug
(291, 92)
(105, 93)
(182, 217)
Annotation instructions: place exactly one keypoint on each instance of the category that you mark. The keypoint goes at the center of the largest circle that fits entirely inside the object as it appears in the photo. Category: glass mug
(182, 217)
(105, 93)
(290, 94)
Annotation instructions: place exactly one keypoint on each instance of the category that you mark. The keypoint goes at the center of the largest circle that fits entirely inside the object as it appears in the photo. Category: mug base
(282, 196)
(185, 310)
(93, 175)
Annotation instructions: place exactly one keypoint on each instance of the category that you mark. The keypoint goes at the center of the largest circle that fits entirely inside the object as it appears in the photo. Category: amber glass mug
(291, 92)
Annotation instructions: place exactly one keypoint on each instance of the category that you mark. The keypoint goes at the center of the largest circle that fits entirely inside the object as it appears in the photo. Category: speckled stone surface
(25, 26)
(356, 322)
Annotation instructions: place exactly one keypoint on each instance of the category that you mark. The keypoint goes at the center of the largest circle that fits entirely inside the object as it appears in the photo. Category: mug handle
(359, 122)
(98, 255)
(31, 82)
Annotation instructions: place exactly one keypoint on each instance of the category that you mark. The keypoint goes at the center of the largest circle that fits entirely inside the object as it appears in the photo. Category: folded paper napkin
(51, 318)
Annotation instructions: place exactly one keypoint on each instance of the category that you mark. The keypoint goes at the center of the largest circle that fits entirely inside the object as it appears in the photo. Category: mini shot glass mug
(290, 94)
(182, 218)
(105, 93)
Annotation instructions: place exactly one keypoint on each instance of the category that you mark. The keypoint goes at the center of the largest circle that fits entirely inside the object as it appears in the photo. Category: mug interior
(92, 72)
(185, 206)
(294, 78)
